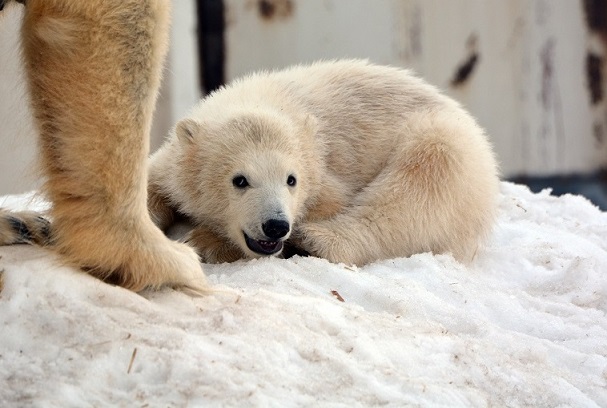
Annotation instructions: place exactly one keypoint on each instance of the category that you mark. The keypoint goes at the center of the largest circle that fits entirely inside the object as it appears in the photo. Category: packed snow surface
(523, 325)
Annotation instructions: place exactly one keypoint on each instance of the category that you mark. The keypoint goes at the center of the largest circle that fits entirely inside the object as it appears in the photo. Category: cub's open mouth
(263, 247)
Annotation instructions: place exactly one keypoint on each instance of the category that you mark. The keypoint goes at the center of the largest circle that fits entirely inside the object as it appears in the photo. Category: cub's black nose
(275, 229)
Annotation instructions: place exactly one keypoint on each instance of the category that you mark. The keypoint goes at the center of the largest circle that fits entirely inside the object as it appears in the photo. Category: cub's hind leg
(439, 194)
(94, 71)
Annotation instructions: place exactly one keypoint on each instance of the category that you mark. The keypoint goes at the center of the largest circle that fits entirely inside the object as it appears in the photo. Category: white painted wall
(539, 122)
(180, 90)
(17, 135)
(181, 84)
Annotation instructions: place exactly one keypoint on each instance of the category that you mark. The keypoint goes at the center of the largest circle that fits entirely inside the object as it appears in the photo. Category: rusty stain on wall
(595, 12)
(596, 16)
(594, 77)
(596, 20)
(550, 97)
(415, 32)
(547, 64)
(598, 133)
(275, 9)
(465, 70)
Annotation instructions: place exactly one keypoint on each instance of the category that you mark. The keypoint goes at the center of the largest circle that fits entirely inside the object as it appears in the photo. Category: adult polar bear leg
(438, 193)
(94, 70)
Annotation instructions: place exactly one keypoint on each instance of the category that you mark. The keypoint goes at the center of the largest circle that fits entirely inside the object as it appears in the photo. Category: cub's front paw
(212, 248)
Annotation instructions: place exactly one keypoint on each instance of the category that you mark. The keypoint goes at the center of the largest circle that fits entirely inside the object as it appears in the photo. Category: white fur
(385, 165)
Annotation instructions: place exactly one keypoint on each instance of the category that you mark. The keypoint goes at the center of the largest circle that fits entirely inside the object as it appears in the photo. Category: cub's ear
(186, 129)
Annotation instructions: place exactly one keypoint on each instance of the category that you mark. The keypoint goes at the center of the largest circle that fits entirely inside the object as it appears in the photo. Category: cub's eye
(291, 181)
(240, 182)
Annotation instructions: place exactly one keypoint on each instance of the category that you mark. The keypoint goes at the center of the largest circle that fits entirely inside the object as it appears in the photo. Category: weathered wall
(531, 71)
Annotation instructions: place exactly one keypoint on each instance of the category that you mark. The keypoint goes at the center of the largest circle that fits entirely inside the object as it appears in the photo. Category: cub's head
(249, 176)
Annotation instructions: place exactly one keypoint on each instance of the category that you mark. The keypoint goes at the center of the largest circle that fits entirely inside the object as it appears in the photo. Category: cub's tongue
(263, 247)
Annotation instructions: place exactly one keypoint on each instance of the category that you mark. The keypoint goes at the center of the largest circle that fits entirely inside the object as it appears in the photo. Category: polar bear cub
(345, 160)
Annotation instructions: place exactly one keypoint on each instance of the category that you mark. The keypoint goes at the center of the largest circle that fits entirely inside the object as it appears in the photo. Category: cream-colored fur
(94, 69)
(385, 166)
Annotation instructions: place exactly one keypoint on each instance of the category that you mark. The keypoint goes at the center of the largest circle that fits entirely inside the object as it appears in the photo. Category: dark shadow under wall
(593, 187)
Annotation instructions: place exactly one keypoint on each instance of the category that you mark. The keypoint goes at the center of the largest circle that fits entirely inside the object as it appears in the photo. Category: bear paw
(322, 241)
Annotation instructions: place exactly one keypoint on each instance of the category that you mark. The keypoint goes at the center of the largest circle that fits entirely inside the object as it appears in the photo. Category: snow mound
(524, 325)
